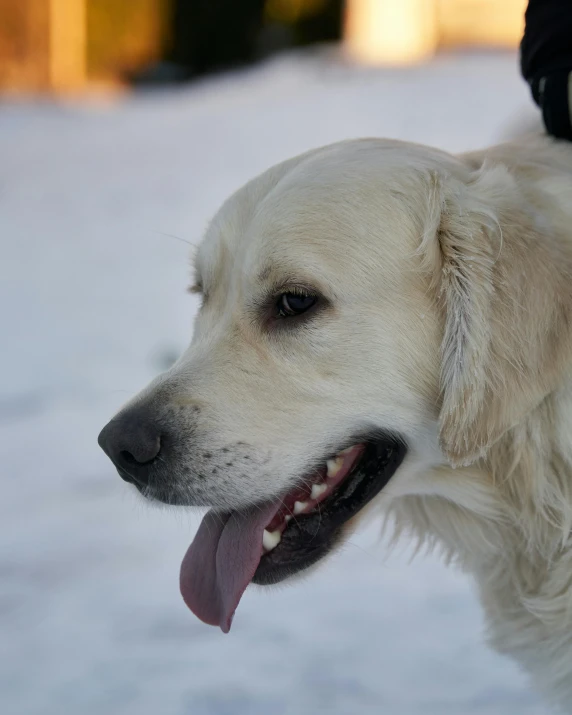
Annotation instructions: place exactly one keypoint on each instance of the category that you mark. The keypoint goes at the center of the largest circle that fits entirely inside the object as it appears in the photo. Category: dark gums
(308, 538)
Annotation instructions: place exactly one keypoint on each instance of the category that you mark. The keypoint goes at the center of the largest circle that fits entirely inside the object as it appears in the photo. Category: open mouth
(268, 542)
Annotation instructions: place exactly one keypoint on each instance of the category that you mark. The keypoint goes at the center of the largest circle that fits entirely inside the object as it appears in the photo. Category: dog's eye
(290, 304)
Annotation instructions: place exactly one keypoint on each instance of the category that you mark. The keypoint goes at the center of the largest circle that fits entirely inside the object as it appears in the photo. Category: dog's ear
(504, 280)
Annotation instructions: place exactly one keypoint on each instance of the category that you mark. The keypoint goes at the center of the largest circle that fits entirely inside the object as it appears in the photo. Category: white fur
(449, 286)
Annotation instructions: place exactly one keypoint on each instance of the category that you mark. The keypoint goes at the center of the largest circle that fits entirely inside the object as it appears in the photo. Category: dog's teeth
(270, 539)
(346, 450)
(318, 490)
(334, 466)
(287, 517)
(299, 506)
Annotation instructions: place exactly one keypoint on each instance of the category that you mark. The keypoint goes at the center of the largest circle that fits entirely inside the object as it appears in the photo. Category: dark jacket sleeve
(546, 62)
(547, 41)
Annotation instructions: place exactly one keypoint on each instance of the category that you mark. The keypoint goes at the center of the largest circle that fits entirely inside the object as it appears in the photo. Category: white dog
(373, 311)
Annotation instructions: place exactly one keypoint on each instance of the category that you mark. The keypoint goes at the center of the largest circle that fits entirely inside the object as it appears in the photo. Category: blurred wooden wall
(66, 45)
(24, 44)
(492, 23)
(407, 31)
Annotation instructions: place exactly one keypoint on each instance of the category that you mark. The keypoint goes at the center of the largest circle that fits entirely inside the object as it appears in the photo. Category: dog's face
(317, 330)
(313, 376)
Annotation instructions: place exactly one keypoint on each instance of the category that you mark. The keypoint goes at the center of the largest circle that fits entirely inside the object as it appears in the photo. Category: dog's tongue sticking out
(227, 549)
(221, 562)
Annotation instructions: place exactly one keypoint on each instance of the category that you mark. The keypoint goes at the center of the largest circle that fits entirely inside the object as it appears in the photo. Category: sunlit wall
(62, 45)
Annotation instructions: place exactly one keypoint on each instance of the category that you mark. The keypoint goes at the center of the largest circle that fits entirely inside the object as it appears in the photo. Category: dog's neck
(526, 588)
(511, 528)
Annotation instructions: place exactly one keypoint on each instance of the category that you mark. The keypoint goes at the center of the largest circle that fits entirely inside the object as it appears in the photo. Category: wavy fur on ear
(507, 300)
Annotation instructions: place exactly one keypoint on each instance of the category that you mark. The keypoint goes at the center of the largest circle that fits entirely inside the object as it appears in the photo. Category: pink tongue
(221, 562)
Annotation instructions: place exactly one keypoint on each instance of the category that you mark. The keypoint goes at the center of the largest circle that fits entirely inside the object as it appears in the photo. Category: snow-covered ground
(93, 305)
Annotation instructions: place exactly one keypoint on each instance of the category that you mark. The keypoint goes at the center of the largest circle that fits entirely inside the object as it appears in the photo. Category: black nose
(132, 441)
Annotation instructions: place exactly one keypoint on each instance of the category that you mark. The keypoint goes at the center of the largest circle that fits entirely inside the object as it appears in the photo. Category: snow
(93, 278)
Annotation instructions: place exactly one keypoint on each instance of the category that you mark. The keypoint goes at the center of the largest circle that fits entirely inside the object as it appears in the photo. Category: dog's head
(356, 327)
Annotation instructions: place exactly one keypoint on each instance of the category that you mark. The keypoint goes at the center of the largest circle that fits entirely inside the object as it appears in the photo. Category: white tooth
(271, 539)
(334, 466)
(318, 490)
(287, 517)
(299, 506)
(346, 450)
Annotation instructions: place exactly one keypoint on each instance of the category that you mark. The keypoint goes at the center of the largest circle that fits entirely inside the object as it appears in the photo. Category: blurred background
(72, 45)
(123, 126)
